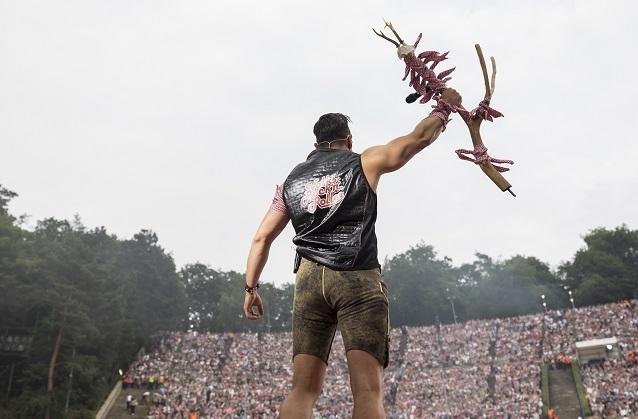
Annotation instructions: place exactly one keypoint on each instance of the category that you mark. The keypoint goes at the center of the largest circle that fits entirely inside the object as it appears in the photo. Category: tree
(204, 288)
(91, 299)
(5, 197)
(80, 291)
(606, 269)
(509, 288)
(416, 282)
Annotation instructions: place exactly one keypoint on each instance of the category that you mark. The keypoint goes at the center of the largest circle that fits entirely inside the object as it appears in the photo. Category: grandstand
(480, 368)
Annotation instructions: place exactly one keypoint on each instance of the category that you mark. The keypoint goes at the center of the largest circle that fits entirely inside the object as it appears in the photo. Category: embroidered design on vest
(322, 193)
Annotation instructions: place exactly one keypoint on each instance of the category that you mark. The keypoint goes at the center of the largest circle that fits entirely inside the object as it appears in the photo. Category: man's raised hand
(451, 96)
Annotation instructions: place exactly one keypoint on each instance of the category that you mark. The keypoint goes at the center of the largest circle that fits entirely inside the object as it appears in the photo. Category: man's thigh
(366, 373)
(314, 322)
(361, 301)
(308, 373)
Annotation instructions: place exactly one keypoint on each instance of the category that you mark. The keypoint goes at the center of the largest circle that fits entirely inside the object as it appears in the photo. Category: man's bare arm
(392, 156)
(271, 226)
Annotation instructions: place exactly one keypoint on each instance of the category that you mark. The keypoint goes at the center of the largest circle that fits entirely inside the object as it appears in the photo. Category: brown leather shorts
(355, 301)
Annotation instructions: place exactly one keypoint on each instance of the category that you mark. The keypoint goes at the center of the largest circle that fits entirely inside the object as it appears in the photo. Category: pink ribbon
(481, 156)
(423, 78)
(483, 111)
(430, 85)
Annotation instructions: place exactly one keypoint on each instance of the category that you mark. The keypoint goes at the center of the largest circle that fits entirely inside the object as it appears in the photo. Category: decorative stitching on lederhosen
(323, 284)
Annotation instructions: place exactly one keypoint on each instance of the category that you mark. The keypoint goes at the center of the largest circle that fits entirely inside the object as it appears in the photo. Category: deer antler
(493, 76)
(382, 35)
(430, 85)
(389, 25)
(483, 111)
(489, 87)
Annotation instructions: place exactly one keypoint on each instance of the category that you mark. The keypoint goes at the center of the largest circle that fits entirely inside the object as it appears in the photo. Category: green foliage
(106, 296)
(606, 269)
(426, 287)
(416, 281)
(102, 295)
(508, 288)
(204, 287)
(215, 302)
(5, 196)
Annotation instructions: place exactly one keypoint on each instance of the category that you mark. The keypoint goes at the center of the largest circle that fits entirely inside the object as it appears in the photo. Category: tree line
(89, 300)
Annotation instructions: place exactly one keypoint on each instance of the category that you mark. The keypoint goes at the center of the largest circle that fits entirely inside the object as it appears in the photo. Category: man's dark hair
(332, 126)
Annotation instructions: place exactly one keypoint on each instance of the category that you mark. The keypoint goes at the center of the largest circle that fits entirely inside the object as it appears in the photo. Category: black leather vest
(333, 210)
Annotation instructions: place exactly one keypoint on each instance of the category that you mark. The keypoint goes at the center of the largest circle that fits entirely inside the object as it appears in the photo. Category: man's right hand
(253, 300)
(451, 96)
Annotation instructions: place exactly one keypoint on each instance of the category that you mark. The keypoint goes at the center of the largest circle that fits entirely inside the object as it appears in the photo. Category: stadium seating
(479, 368)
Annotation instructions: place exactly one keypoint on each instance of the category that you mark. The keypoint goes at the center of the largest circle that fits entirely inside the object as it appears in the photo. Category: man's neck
(334, 147)
(338, 144)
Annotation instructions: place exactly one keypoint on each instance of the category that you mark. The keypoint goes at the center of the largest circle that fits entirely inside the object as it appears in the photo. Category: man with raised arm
(332, 202)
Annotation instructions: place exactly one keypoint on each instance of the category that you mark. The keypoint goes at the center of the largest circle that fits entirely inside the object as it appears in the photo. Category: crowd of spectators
(516, 366)
(445, 371)
(612, 385)
(477, 369)
(612, 388)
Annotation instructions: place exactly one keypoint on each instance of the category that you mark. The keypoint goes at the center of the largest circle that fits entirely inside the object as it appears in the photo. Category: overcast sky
(182, 116)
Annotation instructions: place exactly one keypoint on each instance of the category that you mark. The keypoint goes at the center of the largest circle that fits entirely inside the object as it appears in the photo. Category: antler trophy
(429, 85)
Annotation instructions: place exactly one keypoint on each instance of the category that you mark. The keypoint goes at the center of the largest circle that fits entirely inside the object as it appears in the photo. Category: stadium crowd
(476, 369)
(445, 370)
(517, 374)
